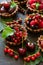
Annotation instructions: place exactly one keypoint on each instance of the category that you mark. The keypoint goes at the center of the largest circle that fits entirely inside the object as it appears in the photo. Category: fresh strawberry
(41, 24)
(39, 1)
(41, 6)
(34, 22)
(6, 6)
(33, 6)
(32, 1)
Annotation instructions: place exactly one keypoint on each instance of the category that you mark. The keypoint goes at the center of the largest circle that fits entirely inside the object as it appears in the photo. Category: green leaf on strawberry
(7, 31)
(37, 5)
(13, 4)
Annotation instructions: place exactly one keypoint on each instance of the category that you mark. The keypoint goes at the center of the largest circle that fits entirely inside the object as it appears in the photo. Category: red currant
(33, 58)
(5, 50)
(16, 57)
(38, 54)
(25, 59)
(28, 60)
(11, 54)
(9, 50)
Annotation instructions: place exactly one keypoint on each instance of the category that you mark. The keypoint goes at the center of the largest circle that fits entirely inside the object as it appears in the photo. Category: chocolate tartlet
(8, 9)
(35, 5)
(40, 42)
(19, 34)
(34, 22)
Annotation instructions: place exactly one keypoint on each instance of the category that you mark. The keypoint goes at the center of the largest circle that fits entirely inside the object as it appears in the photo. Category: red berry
(42, 44)
(22, 51)
(41, 6)
(32, 1)
(17, 34)
(33, 58)
(5, 50)
(38, 54)
(28, 59)
(35, 55)
(33, 22)
(11, 54)
(33, 6)
(25, 59)
(9, 50)
(15, 41)
(6, 6)
(16, 57)
(41, 24)
(16, 28)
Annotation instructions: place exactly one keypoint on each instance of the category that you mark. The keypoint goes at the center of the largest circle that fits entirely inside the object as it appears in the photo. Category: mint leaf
(37, 5)
(1, 26)
(13, 4)
(7, 31)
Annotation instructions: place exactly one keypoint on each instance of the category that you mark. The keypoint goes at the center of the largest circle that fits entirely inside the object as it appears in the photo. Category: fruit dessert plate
(8, 9)
(34, 22)
(19, 34)
(35, 5)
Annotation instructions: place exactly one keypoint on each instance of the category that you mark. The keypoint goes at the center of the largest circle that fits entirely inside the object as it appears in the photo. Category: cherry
(30, 47)
(22, 51)
(33, 58)
(6, 6)
(16, 57)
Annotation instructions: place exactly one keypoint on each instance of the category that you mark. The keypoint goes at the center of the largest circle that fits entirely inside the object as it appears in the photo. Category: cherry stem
(16, 52)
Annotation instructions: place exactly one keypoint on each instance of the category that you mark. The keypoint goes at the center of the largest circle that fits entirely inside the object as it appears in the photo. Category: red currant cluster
(34, 21)
(32, 57)
(11, 53)
(33, 4)
(20, 32)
